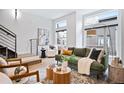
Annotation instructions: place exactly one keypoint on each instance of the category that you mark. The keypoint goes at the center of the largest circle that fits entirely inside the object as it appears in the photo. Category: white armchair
(51, 53)
(4, 79)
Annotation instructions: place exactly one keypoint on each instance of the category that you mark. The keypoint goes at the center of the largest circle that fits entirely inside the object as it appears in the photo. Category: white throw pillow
(3, 63)
(101, 55)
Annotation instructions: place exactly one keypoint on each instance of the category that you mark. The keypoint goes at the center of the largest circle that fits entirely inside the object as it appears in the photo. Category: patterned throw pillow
(18, 70)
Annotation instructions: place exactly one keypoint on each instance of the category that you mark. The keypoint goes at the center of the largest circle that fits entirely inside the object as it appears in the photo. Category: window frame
(63, 37)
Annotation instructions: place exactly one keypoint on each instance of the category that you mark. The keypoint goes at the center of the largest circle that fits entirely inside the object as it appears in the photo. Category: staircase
(7, 43)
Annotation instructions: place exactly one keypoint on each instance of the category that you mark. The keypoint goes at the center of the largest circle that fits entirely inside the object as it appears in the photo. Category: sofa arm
(96, 66)
(104, 61)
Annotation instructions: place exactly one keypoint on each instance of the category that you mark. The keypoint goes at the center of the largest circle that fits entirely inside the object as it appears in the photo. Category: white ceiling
(48, 13)
(55, 13)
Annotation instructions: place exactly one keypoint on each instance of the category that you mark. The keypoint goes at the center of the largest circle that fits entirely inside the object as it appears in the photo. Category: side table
(43, 53)
(116, 74)
(49, 73)
(60, 77)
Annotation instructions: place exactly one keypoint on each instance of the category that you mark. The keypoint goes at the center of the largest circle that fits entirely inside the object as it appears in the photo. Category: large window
(61, 24)
(61, 33)
(62, 38)
(100, 17)
(104, 35)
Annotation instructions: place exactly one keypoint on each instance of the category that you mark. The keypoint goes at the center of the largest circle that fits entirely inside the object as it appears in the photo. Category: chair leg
(38, 78)
(57, 62)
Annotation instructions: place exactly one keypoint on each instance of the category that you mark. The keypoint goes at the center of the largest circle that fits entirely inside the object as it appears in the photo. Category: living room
(53, 44)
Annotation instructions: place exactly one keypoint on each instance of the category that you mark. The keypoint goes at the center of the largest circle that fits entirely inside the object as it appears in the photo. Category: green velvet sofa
(97, 69)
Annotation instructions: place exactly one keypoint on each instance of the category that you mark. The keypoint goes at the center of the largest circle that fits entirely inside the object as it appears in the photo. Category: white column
(79, 33)
(121, 35)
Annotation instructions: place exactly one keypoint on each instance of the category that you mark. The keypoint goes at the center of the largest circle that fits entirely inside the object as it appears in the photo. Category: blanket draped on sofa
(84, 65)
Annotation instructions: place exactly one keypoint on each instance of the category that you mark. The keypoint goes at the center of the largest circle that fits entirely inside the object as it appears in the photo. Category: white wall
(71, 28)
(74, 27)
(79, 33)
(25, 28)
(79, 26)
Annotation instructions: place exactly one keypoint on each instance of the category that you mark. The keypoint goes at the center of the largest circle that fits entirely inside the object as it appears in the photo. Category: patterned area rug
(77, 78)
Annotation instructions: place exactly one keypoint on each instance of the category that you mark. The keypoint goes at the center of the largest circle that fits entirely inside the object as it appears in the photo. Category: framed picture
(43, 37)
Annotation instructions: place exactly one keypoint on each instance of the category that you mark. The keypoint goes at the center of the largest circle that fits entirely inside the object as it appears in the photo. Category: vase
(64, 66)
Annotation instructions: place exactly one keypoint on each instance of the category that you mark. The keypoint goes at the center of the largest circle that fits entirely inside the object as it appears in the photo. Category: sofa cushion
(87, 51)
(79, 52)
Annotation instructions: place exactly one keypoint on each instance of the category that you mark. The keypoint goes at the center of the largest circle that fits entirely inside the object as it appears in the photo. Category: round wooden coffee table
(49, 73)
(61, 77)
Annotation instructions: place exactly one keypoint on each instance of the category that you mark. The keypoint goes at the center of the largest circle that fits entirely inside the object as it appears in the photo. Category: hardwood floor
(41, 68)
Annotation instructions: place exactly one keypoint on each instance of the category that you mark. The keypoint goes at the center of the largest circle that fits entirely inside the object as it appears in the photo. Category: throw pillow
(51, 47)
(71, 48)
(67, 52)
(95, 54)
(3, 62)
(101, 55)
(19, 70)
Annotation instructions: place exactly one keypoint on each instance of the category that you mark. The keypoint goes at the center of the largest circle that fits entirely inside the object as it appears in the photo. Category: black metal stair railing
(8, 46)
